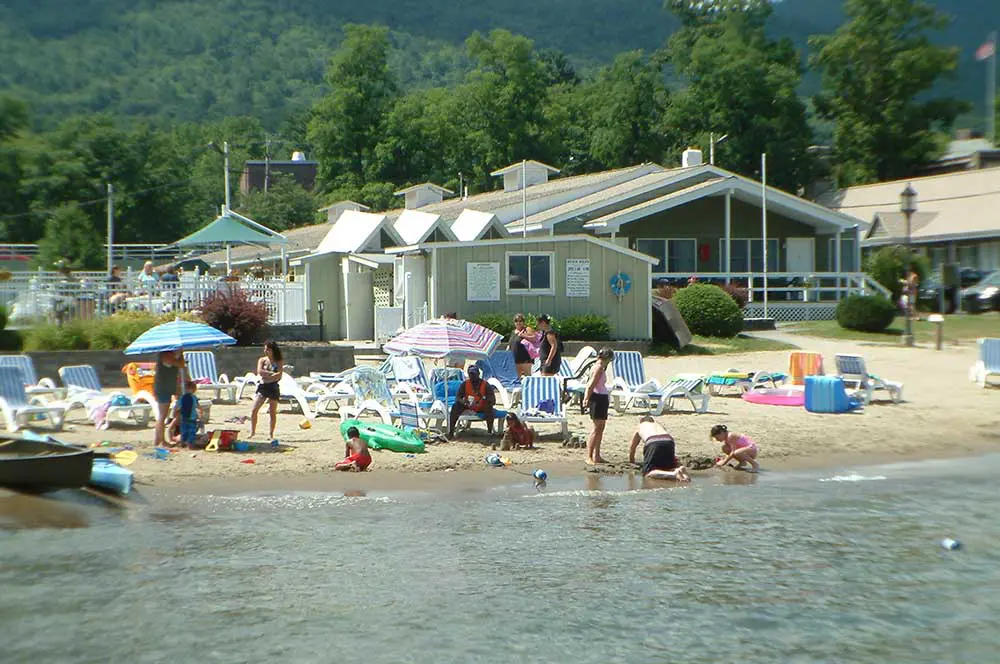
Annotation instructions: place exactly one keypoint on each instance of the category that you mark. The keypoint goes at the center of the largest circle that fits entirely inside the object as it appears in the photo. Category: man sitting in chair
(475, 395)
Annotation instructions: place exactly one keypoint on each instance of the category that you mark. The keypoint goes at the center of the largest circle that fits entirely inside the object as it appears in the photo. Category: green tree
(500, 104)
(741, 83)
(285, 204)
(13, 206)
(627, 103)
(347, 123)
(70, 236)
(877, 69)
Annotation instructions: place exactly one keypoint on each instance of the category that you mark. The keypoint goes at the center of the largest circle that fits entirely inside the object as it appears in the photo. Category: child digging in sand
(356, 451)
(736, 446)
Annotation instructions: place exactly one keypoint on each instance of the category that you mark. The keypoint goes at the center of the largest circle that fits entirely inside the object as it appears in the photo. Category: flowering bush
(233, 312)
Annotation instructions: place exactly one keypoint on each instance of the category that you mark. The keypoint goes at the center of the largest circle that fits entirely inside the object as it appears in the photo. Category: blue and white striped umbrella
(178, 335)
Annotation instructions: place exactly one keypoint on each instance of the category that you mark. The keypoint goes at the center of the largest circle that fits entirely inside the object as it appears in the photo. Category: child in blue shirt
(187, 412)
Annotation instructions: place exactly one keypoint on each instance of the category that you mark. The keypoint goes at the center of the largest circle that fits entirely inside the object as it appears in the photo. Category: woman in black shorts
(522, 358)
(269, 368)
(597, 398)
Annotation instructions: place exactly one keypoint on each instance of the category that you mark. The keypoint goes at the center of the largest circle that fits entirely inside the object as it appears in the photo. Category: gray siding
(324, 279)
(630, 318)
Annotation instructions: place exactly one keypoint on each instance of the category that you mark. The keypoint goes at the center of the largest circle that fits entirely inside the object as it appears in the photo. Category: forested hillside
(204, 60)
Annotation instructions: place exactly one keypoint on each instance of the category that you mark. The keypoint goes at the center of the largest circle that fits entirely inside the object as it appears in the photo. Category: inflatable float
(780, 396)
(106, 474)
(384, 437)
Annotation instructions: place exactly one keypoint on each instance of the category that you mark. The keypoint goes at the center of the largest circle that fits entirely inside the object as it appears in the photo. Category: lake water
(835, 566)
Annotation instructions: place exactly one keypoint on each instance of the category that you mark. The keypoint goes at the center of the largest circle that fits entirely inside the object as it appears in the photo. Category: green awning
(229, 229)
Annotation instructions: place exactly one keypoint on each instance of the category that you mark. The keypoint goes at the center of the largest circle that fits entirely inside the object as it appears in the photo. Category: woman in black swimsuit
(522, 359)
(269, 368)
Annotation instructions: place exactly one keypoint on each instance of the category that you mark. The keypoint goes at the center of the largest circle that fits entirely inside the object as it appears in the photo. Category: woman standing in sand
(166, 385)
(598, 399)
(270, 368)
(735, 446)
(521, 333)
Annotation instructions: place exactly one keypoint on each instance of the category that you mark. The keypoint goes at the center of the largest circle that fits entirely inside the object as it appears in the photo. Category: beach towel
(802, 364)
(533, 345)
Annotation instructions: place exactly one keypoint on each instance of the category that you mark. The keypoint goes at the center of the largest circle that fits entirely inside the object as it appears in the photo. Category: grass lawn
(958, 327)
(722, 346)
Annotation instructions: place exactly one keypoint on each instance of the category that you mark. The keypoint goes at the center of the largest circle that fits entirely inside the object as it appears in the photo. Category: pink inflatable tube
(781, 396)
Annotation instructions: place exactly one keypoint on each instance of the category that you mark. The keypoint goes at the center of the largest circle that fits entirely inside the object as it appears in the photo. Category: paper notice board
(482, 282)
(577, 277)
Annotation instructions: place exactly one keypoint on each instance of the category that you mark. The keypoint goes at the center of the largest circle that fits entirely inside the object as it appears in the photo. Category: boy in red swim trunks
(358, 459)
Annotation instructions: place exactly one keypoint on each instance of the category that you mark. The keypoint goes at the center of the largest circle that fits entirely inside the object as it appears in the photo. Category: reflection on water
(23, 511)
(795, 569)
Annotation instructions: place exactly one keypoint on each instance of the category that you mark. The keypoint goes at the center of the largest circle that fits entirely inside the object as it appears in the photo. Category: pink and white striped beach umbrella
(445, 338)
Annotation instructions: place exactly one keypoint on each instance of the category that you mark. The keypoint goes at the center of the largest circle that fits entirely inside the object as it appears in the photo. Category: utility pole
(111, 227)
(524, 198)
(267, 163)
(225, 155)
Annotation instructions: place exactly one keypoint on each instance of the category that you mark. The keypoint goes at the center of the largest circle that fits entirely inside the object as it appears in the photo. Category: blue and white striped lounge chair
(33, 385)
(408, 369)
(16, 408)
(856, 377)
(537, 390)
(84, 386)
(201, 367)
(630, 386)
(988, 363)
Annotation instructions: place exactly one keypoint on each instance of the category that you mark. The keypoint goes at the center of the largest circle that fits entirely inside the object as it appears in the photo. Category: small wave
(854, 477)
(587, 493)
(293, 501)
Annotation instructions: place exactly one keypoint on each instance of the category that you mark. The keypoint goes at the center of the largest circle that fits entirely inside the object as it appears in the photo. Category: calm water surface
(839, 566)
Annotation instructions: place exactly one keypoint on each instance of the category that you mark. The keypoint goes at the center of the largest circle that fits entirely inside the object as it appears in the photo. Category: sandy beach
(942, 414)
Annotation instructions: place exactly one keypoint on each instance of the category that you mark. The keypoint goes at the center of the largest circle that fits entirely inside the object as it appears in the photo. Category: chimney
(532, 172)
(334, 211)
(420, 195)
(691, 157)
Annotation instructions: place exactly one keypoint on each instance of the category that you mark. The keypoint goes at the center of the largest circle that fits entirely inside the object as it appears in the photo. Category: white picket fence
(36, 296)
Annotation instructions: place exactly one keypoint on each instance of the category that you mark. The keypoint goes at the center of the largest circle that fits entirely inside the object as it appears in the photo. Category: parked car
(928, 294)
(984, 296)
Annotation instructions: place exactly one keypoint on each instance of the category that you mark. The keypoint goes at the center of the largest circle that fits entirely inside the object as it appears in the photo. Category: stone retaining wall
(230, 361)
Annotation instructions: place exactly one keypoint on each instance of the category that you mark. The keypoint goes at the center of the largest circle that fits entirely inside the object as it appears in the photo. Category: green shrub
(865, 313)
(709, 311)
(4, 317)
(887, 266)
(502, 324)
(586, 327)
(74, 335)
(11, 341)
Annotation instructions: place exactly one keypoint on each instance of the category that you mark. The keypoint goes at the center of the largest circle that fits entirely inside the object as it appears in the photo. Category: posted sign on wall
(482, 282)
(577, 277)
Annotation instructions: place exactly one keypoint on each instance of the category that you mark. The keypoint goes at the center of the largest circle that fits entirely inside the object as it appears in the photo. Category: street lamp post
(908, 206)
(321, 307)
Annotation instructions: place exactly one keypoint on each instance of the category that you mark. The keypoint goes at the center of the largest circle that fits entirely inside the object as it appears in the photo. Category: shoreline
(476, 480)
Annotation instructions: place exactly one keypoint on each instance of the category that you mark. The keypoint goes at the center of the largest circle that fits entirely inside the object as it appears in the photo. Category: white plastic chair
(33, 385)
(201, 366)
(856, 377)
(988, 363)
(538, 389)
(16, 408)
(84, 386)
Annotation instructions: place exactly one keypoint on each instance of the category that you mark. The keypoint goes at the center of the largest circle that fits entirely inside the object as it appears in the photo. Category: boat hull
(40, 466)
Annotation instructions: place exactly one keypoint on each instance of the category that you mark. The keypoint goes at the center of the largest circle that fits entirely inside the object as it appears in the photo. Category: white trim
(521, 164)
(667, 268)
(551, 290)
(747, 190)
(541, 239)
(649, 311)
(931, 239)
(422, 186)
(363, 261)
(432, 296)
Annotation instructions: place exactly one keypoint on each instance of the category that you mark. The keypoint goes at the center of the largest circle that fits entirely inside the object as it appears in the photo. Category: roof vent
(529, 172)
(334, 211)
(420, 195)
(691, 157)
(298, 156)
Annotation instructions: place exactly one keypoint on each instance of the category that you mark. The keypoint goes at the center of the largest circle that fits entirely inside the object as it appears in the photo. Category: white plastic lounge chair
(630, 387)
(16, 408)
(856, 377)
(538, 389)
(683, 387)
(372, 394)
(33, 385)
(84, 386)
(988, 363)
(201, 367)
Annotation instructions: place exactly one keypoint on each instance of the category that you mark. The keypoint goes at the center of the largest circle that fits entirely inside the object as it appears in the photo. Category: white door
(800, 254)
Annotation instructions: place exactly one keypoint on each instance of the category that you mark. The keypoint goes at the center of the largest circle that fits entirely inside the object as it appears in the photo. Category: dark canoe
(38, 466)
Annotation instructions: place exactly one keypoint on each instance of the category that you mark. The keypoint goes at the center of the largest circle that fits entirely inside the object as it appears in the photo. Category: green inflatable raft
(384, 437)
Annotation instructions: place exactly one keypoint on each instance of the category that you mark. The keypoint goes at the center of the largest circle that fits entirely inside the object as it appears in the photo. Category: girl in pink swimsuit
(736, 446)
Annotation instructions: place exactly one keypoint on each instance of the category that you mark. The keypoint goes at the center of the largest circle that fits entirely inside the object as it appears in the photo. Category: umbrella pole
(229, 259)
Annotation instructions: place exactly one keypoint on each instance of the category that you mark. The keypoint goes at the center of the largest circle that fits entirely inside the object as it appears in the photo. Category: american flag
(986, 51)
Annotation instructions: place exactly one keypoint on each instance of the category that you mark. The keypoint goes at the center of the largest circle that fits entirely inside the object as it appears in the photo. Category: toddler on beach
(356, 450)
(736, 446)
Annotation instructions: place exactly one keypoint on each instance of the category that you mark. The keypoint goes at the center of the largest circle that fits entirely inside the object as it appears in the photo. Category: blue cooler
(827, 394)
